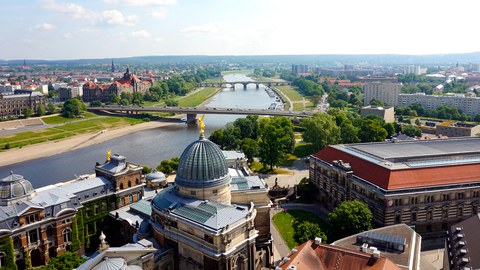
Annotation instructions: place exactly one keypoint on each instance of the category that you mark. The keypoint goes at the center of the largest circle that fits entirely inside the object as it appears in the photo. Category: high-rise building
(386, 92)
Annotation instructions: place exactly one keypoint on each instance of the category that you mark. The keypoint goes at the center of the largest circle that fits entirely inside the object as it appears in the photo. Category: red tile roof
(310, 256)
(403, 178)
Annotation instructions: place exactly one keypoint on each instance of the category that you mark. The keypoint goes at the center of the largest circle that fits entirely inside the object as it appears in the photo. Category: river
(147, 147)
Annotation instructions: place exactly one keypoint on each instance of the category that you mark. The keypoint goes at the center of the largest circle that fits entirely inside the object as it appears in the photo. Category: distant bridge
(192, 112)
(244, 83)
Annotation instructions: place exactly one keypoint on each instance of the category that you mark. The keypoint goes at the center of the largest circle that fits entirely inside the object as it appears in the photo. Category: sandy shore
(56, 147)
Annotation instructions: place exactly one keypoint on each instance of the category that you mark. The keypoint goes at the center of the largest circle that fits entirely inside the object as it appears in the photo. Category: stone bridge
(244, 83)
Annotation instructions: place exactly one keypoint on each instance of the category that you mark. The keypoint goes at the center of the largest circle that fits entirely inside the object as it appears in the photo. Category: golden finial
(202, 125)
(109, 154)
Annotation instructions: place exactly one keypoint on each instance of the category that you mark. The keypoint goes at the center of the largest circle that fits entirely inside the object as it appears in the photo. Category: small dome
(14, 187)
(202, 165)
(155, 175)
(111, 264)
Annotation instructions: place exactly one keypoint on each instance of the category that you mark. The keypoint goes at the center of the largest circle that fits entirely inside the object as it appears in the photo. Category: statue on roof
(202, 125)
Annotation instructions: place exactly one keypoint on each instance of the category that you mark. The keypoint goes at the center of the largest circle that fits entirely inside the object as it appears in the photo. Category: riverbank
(72, 143)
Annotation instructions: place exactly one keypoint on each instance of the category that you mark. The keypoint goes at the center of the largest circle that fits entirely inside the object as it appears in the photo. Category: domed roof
(155, 175)
(202, 165)
(111, 264)
(14, 187)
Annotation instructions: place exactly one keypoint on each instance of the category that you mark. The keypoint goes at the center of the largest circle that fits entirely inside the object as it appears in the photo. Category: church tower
(113, 67)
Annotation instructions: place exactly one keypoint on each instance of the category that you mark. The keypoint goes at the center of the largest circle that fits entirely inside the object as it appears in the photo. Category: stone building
(458, 129)
(386, 113)
(129, 83)
(462, 245)
(427, 184)
(13, 105)
(210, 219)
(38, 224)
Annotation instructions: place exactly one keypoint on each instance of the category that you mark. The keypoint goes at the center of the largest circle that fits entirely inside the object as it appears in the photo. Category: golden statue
(109, 154)
(202, 125)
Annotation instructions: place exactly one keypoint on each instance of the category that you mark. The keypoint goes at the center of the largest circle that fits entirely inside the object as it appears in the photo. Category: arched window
(2, 259)
(129, 183)
(121, 185)
(67, 235)
(137, 181)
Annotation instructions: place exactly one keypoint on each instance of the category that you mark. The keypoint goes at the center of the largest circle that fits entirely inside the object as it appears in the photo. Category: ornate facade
(13, 105)
(210, 219)
(36, 225)
(429, 185)
(129, 83)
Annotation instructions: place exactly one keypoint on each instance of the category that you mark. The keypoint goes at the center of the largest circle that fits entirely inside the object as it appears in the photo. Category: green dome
(202, 165)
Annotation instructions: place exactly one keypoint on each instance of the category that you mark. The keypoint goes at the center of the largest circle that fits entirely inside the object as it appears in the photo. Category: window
(33, 236)
(398, 217)
(50, 231)
(67, 235)
(414, 216)
(460, 211)
(397, 202)
(129, 183)
(214, 191)
(445, 197)
(414, 200)
(429, 199)
(121, 185)
(32, 218)
(2, 259)
(193, 193)
(475, 194)
(445, 213)
(429, 214)
(130, 198)
(208, 239)
(460, 196)
(17, 243)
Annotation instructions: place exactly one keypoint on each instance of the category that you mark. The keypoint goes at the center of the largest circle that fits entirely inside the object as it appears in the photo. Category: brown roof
(327, 257)
(403, 178)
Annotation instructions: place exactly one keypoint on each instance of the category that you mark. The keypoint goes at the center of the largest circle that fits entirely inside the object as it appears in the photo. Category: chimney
(318, 241)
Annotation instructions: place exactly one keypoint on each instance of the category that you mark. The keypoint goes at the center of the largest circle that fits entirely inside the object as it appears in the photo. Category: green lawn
(290, 92)
(284, 223)
(59, 119)
(303, 150)
(198, 97)
(68, 130)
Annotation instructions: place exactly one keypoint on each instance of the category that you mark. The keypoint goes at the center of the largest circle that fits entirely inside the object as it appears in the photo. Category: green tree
(320, 130)
(66, 261)
(96, 103)
(350, 217)
(168, 166)
(349, 133)
(411, 131)
(250, 148)
(73, 108)
(376, 102)
(307, 230)
(27, 112)
(372, 130)
(40, 110)
(417, 122)
(276, 140)
(113, 98)
(51, 108)
(316, 100)
(477, 118)
(146, 169)
(171, 102)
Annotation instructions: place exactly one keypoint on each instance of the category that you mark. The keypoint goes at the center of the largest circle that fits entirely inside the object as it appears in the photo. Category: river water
(147, 147)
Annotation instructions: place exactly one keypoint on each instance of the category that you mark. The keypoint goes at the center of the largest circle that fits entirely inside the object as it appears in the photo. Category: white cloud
(69, 9)
(158, 39)
(44, 26)
(140, 34)
(159, 13)
(201, 28)
(115, 17)
(67, 35)
(143, 2)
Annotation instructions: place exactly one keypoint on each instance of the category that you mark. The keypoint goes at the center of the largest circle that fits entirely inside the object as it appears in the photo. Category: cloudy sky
(73, 29)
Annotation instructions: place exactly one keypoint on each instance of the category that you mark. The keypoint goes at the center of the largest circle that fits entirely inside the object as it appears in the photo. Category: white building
(468, 105)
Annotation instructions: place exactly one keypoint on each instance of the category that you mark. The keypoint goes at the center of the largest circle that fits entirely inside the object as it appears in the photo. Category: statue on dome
(202, 125)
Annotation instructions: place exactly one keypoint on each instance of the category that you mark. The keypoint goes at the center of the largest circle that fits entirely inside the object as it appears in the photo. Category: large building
(386, 113)
(211, 219)
(36, 225)
(386, 92)
(428, 184)
(129, 83)
(462, 245)
(468, 105)
(13, 105)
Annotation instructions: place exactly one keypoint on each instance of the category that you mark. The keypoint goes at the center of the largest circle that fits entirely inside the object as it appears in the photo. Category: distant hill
(318, 59)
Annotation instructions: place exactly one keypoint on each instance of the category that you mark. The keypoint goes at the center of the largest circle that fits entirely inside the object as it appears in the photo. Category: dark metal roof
(202, 165)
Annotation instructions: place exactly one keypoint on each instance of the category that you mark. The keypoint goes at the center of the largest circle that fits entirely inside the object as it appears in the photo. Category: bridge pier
(257, 85)
(191, 118)
(245, 86)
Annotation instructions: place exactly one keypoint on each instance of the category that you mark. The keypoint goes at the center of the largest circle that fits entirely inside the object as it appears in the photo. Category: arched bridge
(244, 83)
(192, 112)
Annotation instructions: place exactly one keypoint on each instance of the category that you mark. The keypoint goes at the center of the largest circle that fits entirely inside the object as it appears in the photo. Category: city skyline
(53, 29)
